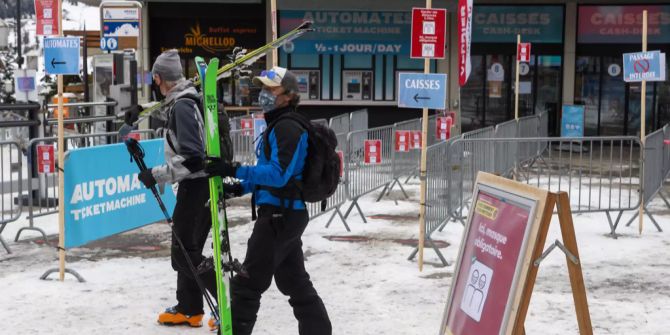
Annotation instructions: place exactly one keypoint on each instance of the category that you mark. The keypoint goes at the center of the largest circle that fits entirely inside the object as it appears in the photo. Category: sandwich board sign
(497, 262)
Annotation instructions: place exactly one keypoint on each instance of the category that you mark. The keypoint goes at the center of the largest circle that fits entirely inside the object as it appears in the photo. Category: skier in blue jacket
(275, 247)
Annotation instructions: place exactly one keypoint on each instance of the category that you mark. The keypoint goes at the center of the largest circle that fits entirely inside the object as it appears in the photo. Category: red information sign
(247, 126)
(523, 52)
(46, 161)
(402, 140)
(415, 141)
(464, 38)
(443, 127)
(341, 155)
(46, 12)
(491, 258)
(373, 151)
(429, 31)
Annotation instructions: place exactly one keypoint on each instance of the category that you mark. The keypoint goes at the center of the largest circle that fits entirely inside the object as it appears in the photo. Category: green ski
(217, 207)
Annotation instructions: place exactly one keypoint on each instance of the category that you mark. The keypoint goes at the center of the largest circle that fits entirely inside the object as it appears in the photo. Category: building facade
(353, 58)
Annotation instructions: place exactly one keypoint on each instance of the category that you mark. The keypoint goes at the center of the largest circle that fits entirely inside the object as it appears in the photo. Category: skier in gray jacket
(185, 158)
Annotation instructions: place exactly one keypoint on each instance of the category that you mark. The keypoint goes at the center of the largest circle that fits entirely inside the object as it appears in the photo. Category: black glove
(232, 190)
(132, 114)
(147, 178)
(218, 167)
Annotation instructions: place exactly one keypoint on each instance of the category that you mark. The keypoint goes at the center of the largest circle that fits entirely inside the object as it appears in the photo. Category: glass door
(472, 96)
(613, 99)
(635, 106)
(587, 91)
(498, 98)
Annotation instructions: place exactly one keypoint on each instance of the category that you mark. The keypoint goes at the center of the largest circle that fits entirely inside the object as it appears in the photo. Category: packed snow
(368, 285)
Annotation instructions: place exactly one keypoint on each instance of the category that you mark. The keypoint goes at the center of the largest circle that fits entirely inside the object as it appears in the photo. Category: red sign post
(429, 31)
(443, 128)
(402, 140)
(46, 162)
(373, 151)
(415, 141)
(523, 52)
(247, 126)
(46, 12)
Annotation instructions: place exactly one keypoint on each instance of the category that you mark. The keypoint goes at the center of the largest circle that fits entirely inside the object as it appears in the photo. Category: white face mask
(267, 100)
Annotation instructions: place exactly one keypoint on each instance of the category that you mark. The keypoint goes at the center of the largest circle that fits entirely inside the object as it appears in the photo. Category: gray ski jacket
(183, 135)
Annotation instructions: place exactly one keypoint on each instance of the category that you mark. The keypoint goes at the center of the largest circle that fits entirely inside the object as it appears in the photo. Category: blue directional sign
(420, 90)
(61, 55)
(648, 66)
(109, 43)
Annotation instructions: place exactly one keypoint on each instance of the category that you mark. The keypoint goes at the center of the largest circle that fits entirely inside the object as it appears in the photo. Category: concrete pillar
(569, 52)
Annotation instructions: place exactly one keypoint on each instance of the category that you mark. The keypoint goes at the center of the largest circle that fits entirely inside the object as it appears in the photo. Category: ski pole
(137, 154)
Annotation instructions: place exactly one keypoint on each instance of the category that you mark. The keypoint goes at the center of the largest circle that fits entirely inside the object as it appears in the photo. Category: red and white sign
(259, 115)
(341, 155)
(523, 52)
(464, 38)
(247, 126)
(46, 12)
(402, 140)
(443, 125)
(429, 31)
(415, 141)
(484, 282)
(373, 151)
(46, 160)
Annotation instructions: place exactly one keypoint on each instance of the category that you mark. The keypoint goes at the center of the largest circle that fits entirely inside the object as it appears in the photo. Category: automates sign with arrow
(61, 55)
(422, 90)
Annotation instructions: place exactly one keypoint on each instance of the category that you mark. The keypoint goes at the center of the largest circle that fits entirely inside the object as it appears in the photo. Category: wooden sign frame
(525, 274)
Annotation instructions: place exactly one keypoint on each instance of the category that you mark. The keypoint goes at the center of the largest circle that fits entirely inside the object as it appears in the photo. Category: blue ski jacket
(288, 152)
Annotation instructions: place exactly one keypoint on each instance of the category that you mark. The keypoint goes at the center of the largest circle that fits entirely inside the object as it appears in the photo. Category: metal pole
(422, 172)
(273, 20)
(61, 159)
(516, 85)
(643, 105)
(19, 59)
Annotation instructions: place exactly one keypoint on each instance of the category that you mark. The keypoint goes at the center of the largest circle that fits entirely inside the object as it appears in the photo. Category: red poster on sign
(429, 31)
(247, 126)
(402, 140)
(464, 38)
(490, 261)
(46, 12)
(443, 128)
(523, 52)
(373, 151)
(46, 161)
(341, 155)
(415, 141)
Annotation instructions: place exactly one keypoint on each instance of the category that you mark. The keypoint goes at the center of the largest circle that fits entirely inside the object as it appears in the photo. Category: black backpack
(321, 174)
(225, 142)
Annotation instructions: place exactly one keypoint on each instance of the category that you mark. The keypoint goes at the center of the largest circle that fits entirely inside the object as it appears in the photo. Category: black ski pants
(275, 250)
(192, 223)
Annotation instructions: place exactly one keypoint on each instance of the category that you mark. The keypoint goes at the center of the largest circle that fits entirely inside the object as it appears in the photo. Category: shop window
(379, 77)
(389, 93)
(587, 91)
(325, 77)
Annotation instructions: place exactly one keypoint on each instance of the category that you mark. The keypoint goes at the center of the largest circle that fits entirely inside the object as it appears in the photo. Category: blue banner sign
(420, 90)
(349, 32)
(61, 55)
(501, 24)
(572, 121)
(104, 199)
(639, 66)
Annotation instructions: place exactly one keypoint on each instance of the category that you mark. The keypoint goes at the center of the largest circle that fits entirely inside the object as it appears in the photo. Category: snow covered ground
(369, 286)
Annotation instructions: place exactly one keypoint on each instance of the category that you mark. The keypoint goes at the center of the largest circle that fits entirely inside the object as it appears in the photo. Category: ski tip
(306, 25)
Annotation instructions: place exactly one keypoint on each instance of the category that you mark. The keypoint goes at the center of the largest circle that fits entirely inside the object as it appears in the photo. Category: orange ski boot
(172, 318)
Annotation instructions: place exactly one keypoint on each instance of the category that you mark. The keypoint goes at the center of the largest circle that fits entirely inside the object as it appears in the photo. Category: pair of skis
(250, 57)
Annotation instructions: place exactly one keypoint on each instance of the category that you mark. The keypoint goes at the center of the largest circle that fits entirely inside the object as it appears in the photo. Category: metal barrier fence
(598, 173)
(361, 177)
(244, 148)
(358, 120)
(11, 186)
(43, 188)
(528, 126)
(505, 153)
(405, 163)
(340, 124)
(339, 197)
